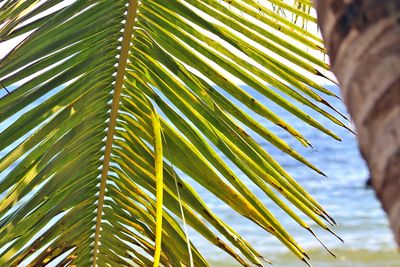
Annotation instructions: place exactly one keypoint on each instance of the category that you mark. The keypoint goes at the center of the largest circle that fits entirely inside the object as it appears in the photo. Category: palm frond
(111, 106)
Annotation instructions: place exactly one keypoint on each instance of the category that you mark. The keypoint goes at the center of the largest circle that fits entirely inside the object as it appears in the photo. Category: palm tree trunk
(363, 42)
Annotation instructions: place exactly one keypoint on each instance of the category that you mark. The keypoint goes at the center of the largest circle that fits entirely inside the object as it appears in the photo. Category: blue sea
(362, 224)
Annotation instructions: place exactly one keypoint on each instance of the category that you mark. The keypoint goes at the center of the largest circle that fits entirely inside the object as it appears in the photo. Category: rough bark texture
(363, 41)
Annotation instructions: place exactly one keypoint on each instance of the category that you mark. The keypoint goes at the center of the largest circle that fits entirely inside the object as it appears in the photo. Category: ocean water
(362, 224)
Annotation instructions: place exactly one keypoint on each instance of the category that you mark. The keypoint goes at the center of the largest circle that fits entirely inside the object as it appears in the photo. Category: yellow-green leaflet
(158, 161)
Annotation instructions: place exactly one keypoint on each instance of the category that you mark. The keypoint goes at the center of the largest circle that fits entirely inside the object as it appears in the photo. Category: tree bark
(363, 42)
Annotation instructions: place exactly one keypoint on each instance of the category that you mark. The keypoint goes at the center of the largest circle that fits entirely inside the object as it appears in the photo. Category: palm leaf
(107, 103)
